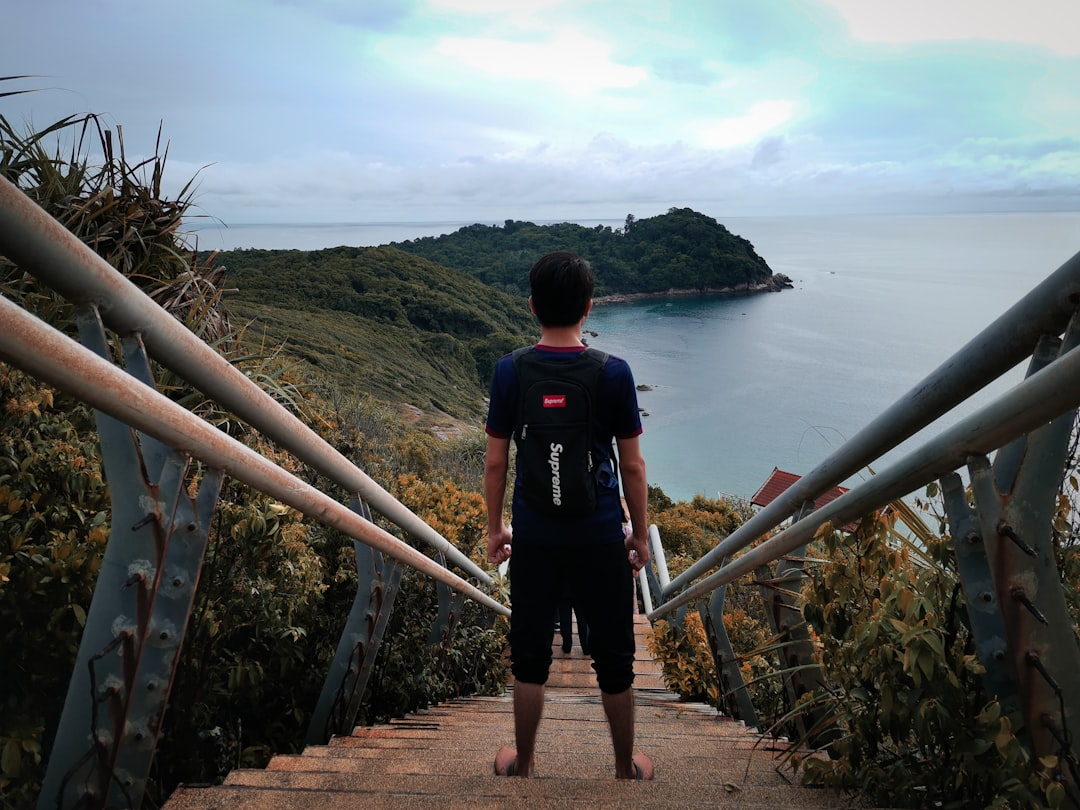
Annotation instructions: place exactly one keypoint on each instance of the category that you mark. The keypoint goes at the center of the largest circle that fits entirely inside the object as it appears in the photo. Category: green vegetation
(379, 322)
(275, 587)
(423, 322)
(689, 530)
(910, 720)
(917, 726)
(679, 250)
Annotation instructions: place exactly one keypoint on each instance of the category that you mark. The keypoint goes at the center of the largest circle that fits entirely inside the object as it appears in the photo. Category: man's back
(587, 551)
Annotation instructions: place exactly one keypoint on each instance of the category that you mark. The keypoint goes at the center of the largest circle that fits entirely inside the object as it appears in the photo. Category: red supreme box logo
(554, 400)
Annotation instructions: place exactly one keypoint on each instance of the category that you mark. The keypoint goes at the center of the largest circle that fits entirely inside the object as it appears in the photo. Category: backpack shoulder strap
(599, 356)
(596, 356)
(599, 359)
(518, 353)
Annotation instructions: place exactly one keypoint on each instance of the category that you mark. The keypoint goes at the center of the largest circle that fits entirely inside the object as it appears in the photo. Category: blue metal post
(980, 596)
(378, 578)
(447, 615)
(801, 671)
(1017, 504)
(734, 695)
(142, 600)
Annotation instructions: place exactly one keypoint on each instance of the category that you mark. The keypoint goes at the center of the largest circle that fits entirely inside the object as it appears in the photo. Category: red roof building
(779, 481)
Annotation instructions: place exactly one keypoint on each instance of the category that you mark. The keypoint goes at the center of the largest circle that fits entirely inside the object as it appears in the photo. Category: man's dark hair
(562, 286)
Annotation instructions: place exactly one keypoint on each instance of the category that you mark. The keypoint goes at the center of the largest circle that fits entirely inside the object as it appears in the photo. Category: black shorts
(602, 589)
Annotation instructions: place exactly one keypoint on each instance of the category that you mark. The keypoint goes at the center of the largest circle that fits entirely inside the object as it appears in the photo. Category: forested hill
(379, 321)
(679, 250)
(423, 322)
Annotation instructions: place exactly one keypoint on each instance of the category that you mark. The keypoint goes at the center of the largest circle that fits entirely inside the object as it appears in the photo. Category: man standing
(588, 550)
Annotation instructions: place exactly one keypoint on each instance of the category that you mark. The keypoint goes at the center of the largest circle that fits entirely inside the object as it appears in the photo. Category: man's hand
(637, 549)
(499, 542)
(636, 493)
(500, 536)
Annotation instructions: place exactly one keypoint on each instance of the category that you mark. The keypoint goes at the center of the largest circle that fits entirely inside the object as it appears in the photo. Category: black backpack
(555, 429)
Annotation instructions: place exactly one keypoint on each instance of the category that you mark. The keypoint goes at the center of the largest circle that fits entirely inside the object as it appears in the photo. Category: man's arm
(496, 463)
(636, 492)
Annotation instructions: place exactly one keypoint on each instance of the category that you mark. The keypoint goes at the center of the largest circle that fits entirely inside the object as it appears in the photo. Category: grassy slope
(378, 321)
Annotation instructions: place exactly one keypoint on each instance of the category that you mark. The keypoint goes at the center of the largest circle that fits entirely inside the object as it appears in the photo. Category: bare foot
(643, 768)
(506, 761)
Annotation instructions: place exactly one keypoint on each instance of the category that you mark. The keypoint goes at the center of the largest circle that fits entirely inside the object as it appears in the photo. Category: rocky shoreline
(775, 283)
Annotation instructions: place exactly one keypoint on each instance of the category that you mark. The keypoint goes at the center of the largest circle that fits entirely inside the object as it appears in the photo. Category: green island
(422, 322)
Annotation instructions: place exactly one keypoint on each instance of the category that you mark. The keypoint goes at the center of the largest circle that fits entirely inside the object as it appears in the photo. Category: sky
(341, 111)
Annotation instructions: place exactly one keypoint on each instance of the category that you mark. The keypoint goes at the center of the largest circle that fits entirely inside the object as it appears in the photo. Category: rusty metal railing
(42, 246)
(1010, 339)
(56, 359)
(144, 593)
(1001, 532)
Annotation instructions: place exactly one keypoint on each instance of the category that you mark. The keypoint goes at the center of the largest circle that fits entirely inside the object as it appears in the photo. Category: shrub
(693, 529)
(54, 524)
(689, 530)
(904, 686)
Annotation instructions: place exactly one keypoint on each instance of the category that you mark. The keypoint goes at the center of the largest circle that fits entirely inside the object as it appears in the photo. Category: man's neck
(561, 337)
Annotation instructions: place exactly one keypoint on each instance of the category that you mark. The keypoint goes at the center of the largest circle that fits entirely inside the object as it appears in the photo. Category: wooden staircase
(443, 757)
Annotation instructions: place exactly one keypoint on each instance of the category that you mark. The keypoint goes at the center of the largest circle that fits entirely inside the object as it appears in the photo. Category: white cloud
(760, 120)
(571, 60)
(1050, 24)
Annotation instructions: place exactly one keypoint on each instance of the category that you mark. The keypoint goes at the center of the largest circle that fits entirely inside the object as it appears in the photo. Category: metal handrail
(998, 348)
(1042, 397)
(51, 356)
(39, 244)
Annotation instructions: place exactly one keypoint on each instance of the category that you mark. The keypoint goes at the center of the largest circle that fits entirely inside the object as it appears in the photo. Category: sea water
(740, 385)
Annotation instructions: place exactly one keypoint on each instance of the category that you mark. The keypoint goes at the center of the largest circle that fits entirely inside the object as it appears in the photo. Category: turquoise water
(740, 385)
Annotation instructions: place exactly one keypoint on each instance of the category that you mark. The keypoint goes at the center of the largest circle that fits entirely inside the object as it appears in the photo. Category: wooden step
(442, 757)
